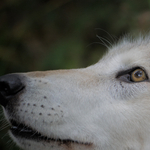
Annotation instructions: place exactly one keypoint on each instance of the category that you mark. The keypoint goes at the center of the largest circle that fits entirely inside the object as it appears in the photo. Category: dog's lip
(22, 131)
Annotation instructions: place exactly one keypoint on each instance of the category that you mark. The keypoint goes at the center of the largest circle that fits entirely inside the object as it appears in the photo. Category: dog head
(105, 106)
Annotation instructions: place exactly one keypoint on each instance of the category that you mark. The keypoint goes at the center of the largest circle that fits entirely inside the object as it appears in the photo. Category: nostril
(4, 89)
(10, 85)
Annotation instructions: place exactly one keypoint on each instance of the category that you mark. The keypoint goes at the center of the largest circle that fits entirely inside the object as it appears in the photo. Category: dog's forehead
(126, 55)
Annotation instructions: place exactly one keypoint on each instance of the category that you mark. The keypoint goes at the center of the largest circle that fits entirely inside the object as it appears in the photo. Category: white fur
(90, 106)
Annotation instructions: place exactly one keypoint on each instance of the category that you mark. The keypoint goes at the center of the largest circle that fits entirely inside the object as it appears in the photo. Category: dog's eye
(138, 75)
(133, 75)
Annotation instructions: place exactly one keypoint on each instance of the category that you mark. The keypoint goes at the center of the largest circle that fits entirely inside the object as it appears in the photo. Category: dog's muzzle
(10, 86)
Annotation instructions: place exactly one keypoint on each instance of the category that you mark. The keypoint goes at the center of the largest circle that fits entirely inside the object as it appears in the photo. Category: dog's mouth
(23, 131)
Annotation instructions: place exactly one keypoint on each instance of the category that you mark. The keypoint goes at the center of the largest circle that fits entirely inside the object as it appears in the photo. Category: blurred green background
(61, 34)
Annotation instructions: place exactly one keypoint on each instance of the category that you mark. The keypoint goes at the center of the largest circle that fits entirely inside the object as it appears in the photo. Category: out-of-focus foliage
(58, 34)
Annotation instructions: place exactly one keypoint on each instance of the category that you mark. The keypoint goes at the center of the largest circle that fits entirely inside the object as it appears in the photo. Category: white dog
(102, 107)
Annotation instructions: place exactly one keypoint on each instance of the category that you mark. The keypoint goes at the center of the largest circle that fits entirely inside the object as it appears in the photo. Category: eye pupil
(138, 74)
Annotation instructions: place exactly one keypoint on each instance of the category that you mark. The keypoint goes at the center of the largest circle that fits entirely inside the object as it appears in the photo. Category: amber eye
(138, 75)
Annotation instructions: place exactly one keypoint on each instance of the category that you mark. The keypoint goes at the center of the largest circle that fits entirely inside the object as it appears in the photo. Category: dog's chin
(27, 138)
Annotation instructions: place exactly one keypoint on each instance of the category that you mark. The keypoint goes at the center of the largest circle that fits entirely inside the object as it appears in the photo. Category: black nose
(10, 85)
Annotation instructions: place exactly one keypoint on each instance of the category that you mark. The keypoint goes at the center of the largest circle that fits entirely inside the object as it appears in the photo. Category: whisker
(5, 135)
(114, 38)
(96, 43)
(4, 125)
(10, 144)
(104, 41)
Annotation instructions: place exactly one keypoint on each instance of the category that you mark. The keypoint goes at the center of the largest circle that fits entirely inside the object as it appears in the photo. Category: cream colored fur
(90, 106)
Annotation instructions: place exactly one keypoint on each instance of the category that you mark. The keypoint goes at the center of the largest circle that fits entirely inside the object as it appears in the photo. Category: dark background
(61, 34)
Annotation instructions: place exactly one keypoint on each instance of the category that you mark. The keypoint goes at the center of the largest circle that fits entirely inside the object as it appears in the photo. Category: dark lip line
(23, 131)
